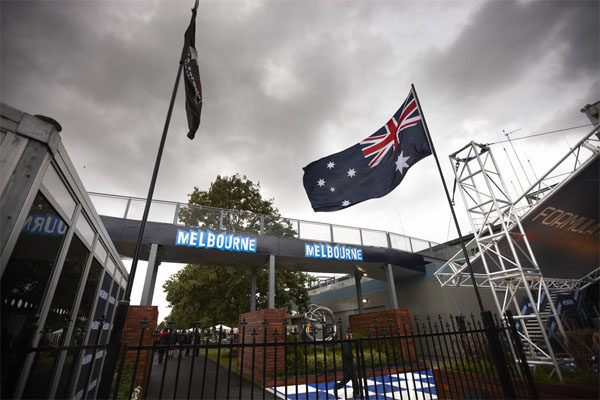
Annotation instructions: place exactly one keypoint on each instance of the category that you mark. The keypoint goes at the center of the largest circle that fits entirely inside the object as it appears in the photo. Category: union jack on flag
(349, 177)
(378, 145)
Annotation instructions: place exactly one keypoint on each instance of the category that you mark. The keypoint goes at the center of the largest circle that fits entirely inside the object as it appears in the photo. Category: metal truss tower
(504, 258)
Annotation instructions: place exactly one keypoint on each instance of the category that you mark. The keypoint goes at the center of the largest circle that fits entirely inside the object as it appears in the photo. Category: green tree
(246, 211)
(213, 293)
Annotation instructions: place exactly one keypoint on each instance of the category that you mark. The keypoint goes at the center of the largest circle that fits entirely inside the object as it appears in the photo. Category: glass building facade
(61, 276)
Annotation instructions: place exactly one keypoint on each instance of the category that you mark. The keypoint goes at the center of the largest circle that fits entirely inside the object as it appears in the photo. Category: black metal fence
(426, 358)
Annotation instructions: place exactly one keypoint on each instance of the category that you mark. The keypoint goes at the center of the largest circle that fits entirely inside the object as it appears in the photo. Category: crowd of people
(187, 338)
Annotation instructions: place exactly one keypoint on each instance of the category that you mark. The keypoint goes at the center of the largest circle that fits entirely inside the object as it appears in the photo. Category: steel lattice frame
(495, 217)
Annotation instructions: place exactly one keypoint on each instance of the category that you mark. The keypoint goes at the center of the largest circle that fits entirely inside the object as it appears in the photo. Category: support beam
(150, 281)
(392, 288)
(357, 278)
(253, 290)
(271, 281)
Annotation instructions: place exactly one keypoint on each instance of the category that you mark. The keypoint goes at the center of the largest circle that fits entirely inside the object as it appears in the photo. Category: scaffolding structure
(505, 260)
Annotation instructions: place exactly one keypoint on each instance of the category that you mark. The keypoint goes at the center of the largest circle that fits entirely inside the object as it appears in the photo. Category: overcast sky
(288, 82)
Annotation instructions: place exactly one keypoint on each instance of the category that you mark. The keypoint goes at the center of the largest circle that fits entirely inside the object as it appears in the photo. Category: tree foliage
(213, 293)
(246, 210)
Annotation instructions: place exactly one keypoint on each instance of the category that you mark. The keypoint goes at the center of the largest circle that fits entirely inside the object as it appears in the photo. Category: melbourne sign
(337, 252)
(209, 240)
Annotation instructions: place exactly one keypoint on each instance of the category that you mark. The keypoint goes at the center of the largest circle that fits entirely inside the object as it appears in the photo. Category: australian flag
(191, 76)
(371, 168)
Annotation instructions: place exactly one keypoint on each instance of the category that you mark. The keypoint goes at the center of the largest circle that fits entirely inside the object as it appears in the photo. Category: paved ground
(201, 386)
(207, 385)
(409, 386)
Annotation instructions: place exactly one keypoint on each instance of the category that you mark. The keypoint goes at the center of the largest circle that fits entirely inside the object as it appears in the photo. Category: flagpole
(460, 237)
(123, 305)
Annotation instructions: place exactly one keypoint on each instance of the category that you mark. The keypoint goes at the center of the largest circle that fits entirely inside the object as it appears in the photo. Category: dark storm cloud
(505, 40)
(285, 82)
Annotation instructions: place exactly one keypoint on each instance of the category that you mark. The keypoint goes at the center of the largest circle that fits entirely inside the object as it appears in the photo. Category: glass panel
(87, 301)
(87, 361)
(374, 238)
(85, 229)
(279, 226)
(58, 319)
(315, 231)
(159, 211)
(24, 283)
(110, 266)
(109, 206)
(100, 252)
(400, 242)
(79, 331)
(59, 191)
(419, 244)
(100, 307)
(342, 234)
(202, 217)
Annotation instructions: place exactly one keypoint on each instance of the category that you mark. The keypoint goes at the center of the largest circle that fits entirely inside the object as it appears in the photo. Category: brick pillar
(131, 334)
(398, 320)
(255, 321)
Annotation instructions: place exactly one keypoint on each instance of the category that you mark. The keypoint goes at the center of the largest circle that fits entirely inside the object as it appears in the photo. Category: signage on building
(210, 240)
(337, 252)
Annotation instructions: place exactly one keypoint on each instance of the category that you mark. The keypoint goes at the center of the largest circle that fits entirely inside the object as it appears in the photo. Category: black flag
(193, 87)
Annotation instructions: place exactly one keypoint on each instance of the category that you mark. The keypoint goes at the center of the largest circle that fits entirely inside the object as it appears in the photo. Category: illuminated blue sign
(337, 252)
(209, 240)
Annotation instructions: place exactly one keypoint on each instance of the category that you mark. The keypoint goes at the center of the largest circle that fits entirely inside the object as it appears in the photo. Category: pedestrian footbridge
(182, 233)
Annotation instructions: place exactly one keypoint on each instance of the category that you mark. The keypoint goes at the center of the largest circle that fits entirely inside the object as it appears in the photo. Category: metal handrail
(178, 206)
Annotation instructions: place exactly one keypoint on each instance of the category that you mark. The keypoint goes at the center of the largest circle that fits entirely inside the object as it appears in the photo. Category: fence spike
(244, 323)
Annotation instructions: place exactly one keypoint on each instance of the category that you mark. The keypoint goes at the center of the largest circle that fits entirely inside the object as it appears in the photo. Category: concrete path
(204, 384)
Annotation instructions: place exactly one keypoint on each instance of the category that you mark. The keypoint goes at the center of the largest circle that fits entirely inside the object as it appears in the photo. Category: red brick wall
(373, 323)
(462, 385)
(255, 321)
(131, 334)
(466, 385)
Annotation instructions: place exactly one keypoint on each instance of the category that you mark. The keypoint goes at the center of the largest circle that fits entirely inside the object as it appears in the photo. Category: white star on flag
(330, 164)
(345, 203)
(321, 182)
(332, 189)
(401, 162)
(351, 172)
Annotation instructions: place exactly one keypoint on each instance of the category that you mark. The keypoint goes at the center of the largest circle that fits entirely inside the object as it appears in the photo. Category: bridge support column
(392, 288)
(253, 290)
(357, 277)
(271, 281)
(150, 281)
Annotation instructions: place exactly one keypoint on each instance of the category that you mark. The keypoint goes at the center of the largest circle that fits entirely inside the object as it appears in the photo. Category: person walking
(348, 366)
(163, 339)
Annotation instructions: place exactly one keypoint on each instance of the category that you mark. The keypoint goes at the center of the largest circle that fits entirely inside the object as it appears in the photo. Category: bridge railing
(248, 222)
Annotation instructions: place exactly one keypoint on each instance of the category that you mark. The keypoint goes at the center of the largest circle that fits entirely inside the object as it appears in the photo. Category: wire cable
(540, 134)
